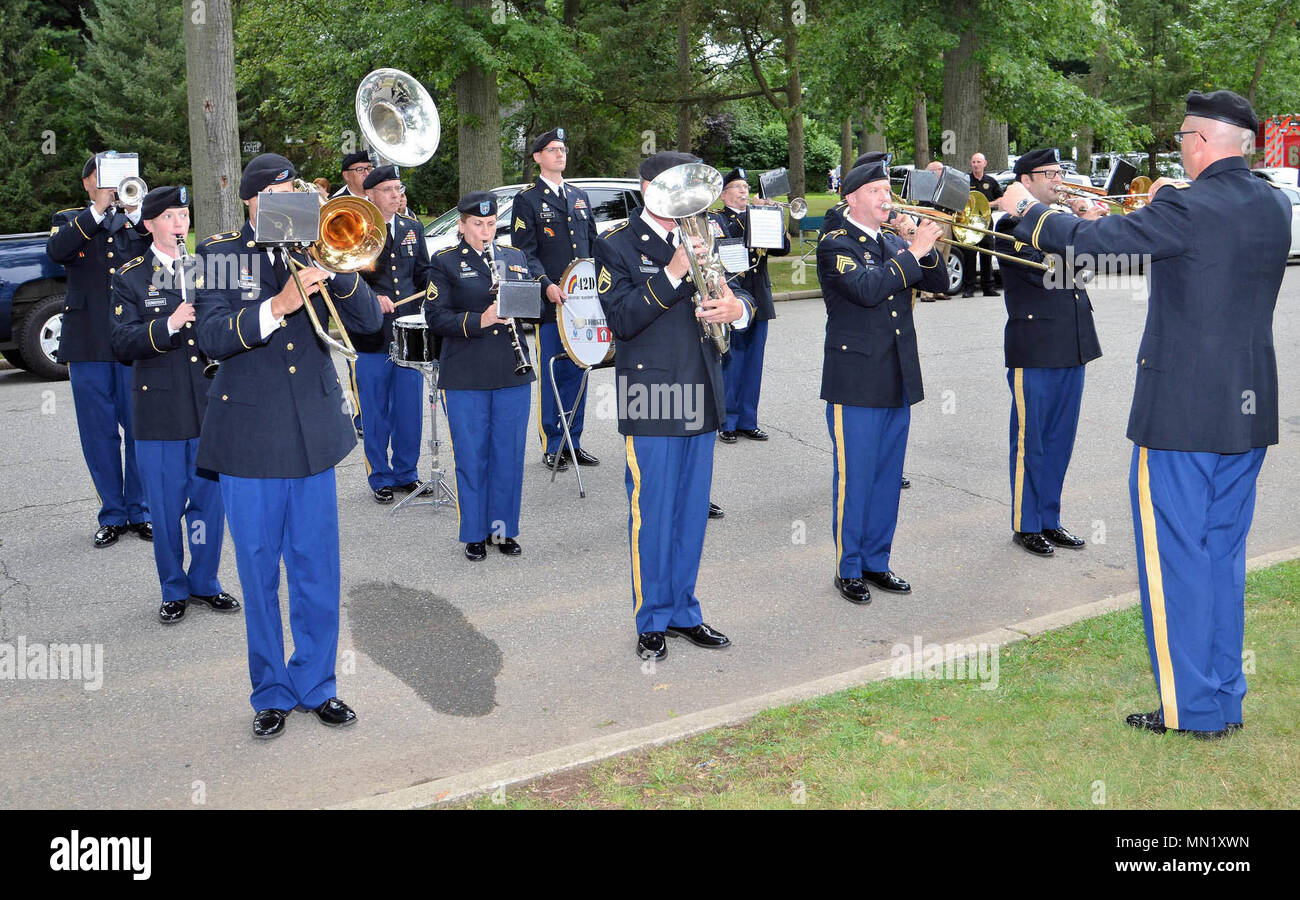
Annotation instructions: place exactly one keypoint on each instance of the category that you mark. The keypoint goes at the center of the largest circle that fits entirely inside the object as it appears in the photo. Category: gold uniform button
(570, 218)
(1031, 315)
(111, 271)
(194, 358)
(494, 331)
(144, 387)
(110, 254)
(640, 366)
(250, 244)
(289, 346)
(896, 331)
(575, 246)
(189, 325)
(225, 396)
(293, 369)
(1142, 361)
(190, 342)
(284, 324)
(894, 313)
(110, 240)
(844, 346)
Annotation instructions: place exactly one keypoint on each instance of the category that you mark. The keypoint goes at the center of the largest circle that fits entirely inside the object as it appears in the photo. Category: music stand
(566, 415)
(437, 482)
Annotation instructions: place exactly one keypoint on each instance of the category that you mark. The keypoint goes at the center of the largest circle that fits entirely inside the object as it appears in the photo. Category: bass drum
(584, 331)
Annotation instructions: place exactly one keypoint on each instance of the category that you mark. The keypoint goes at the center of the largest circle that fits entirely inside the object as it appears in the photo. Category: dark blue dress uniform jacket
(552, 232)
(473, 358)
(870, 350)
(659, 340)
(92, 255)
(1049, 316)
(1206, 368)
(169, 392)
(756, 282)
(275, 408)
(402, 269)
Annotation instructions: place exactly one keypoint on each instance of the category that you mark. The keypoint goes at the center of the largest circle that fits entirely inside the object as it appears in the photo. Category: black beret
(379, 176)
(161, 199)
(353, 158)
(89, 167)
(1224, 106)
(555, 134)
(1035, 159)
(478, 203)
(863, 174)
(654, 166)
(873, 156)
(735, 175)
(264, 171)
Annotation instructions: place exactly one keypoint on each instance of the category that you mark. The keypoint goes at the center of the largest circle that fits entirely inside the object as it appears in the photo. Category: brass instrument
(522, 366)
(967, 227)
(131, 191)
(798, 207)
(398, 118)
(683, 194)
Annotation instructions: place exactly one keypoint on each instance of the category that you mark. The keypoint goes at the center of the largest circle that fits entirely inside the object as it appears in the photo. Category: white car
(1293, 194)
(612, 200)
(1283, 175)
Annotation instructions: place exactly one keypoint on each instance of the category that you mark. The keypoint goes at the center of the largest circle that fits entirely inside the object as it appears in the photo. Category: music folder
(112, 167)
(766, 228)
(519, 299)
(774, 183)
(732, 253)
(1121, 175)
(287, 217)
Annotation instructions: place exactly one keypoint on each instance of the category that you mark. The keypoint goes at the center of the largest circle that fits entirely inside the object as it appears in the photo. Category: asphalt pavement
(453, 665)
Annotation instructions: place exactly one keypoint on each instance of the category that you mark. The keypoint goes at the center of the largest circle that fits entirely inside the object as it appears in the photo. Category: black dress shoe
(406, 488)
(335, 713)
(651, 645)
(555, 461)
(475, 550)
(907, 482)
(928, 298)
(888, 581)
(1034, 542)
(269, 723)
(715, 511)
(1062, 538)
(727, 437)
(1235, 727)
(383, 495)
(171, 611)
(754, 434)
(510, 547)
(1152, 721)
(360, 433)
(854, 590)
(967, 293)
(222, 602)
(582, 456)
(701, 636)
(144, 529)
(107, 535)
(992, 292)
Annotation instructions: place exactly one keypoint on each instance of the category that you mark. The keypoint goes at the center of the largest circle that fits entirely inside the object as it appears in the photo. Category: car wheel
(39, 341)
(956, 271)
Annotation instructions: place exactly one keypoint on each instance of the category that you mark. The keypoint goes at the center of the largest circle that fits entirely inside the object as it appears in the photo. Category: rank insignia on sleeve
(604, 280)
(519, 224)
(198, 281)
(844, 263)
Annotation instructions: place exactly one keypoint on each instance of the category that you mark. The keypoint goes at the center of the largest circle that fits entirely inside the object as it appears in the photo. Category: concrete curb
(467, 784)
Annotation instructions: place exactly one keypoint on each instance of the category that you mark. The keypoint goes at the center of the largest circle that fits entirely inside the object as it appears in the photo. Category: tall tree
(213, 117)
(478, 104)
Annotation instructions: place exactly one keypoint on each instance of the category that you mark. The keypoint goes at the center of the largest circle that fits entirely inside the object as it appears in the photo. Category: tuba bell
(398, 118)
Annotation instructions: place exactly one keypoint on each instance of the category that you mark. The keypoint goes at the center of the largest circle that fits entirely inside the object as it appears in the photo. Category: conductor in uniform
(486, 399)
(153, 331)
(553, 226)
(871, 373)
(642, 276)
(392, 396)
(1049, 338)
(1205, 403)
(275, 428)
(92, 243)
(743, 368)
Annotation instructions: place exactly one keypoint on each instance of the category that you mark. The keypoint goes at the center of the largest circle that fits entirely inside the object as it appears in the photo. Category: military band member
(553, 226)
(275, 427)
(153, 330)
(871, 373)
(1205, 403)
(670, 390)
(988, 186)
(834, 217)
(1049, 338)
(355, 169)
(91, 243)
(392, 396)
(487, 403)
(743, 367)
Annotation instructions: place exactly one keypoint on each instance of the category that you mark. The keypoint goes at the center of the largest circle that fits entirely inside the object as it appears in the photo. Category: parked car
(612, 200)
(1293, 194)
(1283, 175)
(32, 294)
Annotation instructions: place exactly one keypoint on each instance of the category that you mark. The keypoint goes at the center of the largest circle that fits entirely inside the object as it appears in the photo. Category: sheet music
(112, 169)
(734, 255)
(766, 228)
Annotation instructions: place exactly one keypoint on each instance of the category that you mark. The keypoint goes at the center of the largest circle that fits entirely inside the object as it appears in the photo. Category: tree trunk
(846, 145)
(994, 145)
(213, 118)
(873, 131)
(571, 8)
(684, 81)
(1095, 82)
(963, 95)
(794, 100)
(1283, 9)
(920, 131)
(479, 125)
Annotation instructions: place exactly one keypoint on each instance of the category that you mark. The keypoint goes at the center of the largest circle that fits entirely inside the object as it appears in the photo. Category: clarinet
(522, 366)
(183, 257)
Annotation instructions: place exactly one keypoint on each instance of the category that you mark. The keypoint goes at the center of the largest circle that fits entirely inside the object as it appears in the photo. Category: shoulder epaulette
(836, 233)
(618, 227)
(529, 188)
(1183, 185)
(71, 209)
(222, 236)
(134, 262)
(445, 250)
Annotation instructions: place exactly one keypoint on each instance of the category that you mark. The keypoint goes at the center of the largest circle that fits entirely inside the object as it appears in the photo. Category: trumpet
(798, 206)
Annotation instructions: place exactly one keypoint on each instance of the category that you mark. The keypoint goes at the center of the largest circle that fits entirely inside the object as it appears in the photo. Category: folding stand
(566, 415)
(437, 483)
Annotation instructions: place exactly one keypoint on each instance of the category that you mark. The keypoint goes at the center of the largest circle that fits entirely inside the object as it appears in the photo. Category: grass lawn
(1051, 735)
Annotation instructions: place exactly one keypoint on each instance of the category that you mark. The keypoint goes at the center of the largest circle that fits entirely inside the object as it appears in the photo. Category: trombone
(966, 225)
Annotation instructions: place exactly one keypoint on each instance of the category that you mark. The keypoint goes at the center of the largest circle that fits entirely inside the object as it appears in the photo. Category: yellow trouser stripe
(356, 400)
(1156, 591)
(537, 338)
(840, 487)
(452, 447)
(1018, 511)
(635, 469)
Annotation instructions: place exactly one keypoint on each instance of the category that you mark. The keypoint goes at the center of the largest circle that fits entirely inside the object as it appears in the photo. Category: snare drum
(584, 331)
(412, 346)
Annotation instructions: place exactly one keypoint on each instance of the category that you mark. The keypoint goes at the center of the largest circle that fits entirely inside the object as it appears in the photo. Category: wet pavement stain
(431, 647)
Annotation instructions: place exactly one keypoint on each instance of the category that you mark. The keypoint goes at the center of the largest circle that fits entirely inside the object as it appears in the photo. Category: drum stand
(437, 483)
(566, 415)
